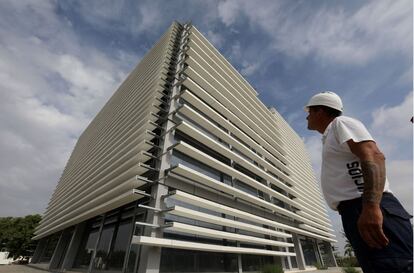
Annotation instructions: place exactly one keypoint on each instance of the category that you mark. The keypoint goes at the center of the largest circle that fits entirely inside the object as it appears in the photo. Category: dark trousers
(397, 256)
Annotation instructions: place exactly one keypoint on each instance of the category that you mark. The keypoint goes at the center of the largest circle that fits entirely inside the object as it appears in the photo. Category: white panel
(208, 218)
(203, 179)
(214, 115)
(214, 206)
(152, 241)
(120, 200)
(211, 233)
(218, 165)
(112, 148)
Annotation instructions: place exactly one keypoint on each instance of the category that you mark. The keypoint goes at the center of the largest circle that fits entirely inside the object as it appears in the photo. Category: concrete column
(300, 259)
(41, 244)
(150, 256)
(239, 260)
(73, 247)
(287, 258)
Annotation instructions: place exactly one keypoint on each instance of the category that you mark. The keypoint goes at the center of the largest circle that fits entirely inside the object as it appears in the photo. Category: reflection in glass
(179, 158)
(246, 188)
(102, 251)
(65, 241)
(134, 250)
(117, 256)
(293, 262)
(52, 241)
(177, 260)
(255, 262)
(86, 248)
(308, 251)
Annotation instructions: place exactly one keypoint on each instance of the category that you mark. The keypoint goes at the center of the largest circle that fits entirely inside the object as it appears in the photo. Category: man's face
(313, 118)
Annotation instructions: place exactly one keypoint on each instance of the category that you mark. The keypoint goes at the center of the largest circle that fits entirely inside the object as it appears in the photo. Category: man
(354, 183)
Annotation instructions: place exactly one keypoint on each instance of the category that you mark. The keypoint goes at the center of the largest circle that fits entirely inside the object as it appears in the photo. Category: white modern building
(185, 170)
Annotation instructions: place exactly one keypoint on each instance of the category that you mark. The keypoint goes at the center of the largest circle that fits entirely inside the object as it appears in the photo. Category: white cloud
(132, 18)
(235, 52)
(228, 11)
(51, 86)
(400, 176)
(150, 17)
(331, 34)
(215, 38)
(314, 146)
(394, 134)
(392, 122)
(249, 68)
(407, 76)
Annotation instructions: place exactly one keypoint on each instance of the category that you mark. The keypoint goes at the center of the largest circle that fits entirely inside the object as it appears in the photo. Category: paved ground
(29, 269)
(19, 269)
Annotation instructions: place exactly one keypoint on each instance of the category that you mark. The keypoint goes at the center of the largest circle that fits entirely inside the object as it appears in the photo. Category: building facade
(185, 170)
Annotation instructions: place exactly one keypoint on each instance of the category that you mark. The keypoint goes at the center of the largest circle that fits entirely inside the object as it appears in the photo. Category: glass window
(247, 172)
(255, 262)
(243, 155)
(244, 187)
(127, 213)
(178, 157)
(49, 249)
(102, 251)
(113, 241)
(308, 251)
(286, 262)
(277, 202)
(176, 260)
(66, 238)
(84, 255)
(181, 136)
(135, 249)
(203, 130)
(226, 179)
(325, 252)
(293, 262)
(216, 262)
(120, 244)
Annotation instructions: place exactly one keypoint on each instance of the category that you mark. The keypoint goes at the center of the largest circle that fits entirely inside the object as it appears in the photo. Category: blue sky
(61, 60)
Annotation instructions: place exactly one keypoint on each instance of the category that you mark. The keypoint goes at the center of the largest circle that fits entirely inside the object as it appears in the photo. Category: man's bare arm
(373, 169)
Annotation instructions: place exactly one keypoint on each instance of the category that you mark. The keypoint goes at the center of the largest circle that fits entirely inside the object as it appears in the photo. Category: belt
(343, 205)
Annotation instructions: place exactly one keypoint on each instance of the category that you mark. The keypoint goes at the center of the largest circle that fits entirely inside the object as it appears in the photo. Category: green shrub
(272, 268)
(349, 262)
(319, 266)
(350, 270)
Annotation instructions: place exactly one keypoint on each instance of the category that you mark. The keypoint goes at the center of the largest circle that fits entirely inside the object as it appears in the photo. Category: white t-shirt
(341, 175)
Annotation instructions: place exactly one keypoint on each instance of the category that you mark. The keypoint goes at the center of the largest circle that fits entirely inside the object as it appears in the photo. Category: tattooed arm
(373, 170)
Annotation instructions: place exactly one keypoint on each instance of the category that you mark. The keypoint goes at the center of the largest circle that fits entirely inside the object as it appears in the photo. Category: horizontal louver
(113, 150)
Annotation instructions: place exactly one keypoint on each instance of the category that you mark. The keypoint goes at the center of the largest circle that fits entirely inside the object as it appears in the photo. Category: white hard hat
(327, 98)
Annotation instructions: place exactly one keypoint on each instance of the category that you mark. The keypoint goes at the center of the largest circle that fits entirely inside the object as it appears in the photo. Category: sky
(60, 61)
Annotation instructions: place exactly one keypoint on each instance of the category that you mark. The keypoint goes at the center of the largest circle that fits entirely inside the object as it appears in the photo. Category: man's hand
(370, 226)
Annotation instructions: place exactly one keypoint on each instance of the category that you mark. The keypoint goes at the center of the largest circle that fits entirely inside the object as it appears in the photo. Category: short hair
(328, 110)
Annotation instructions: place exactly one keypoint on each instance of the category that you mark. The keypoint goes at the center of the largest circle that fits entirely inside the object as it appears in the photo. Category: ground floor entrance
(103, 244)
